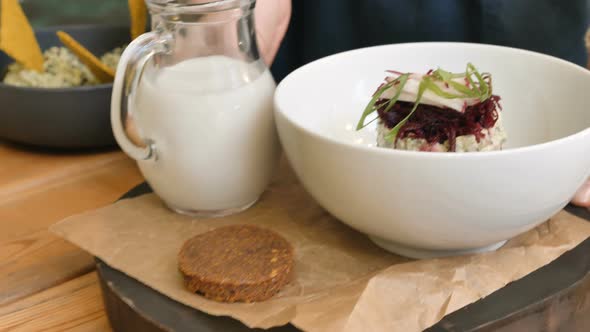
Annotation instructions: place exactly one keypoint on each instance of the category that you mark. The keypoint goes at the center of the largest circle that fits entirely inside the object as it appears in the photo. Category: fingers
(582, 197)
(272, 19)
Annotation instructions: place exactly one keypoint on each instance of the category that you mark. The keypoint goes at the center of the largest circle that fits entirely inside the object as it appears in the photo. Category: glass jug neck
(200, 11)
(204, 28)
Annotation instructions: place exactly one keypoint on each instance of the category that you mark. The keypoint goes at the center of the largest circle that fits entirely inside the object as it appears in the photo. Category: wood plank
(29, 209)
(72, 306)
(39, 188)
(36, 262)
(23, 168)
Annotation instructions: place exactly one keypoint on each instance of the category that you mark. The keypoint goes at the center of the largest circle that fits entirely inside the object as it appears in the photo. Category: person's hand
(582, 198)
(272, 18)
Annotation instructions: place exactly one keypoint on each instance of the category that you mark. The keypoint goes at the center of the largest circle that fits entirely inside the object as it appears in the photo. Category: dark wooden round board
(553, 298)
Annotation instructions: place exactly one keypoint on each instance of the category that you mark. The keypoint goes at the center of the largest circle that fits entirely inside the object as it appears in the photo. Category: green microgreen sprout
(371, 106)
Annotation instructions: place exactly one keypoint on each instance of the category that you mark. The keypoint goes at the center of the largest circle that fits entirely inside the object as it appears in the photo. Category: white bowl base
(211, 213)
(418, 253)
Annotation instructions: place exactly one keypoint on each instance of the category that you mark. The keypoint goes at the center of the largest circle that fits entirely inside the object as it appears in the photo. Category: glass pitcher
(192, 103)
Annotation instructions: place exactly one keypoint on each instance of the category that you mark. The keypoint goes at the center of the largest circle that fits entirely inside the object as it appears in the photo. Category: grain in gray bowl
(62, 116)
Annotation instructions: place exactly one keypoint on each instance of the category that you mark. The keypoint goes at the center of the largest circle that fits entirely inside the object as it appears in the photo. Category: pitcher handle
(128, 75)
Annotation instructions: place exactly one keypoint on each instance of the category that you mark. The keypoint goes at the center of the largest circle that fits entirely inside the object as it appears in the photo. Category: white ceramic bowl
(422, 204)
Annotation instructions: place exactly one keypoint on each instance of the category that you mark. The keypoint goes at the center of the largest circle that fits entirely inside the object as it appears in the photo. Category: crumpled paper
(342, 281)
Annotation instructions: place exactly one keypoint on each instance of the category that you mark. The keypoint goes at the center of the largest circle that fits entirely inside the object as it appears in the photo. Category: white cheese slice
(410, 93)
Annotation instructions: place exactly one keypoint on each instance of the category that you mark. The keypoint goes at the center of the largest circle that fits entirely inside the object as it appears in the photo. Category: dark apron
(322, 27)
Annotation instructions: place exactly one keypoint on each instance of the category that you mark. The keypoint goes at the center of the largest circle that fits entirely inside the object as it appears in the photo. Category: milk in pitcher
(215, 139)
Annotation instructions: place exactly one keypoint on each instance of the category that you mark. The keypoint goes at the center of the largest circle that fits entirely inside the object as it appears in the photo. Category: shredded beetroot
(436, 124)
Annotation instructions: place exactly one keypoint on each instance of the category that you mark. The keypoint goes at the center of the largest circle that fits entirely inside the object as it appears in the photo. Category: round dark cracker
(236, 263)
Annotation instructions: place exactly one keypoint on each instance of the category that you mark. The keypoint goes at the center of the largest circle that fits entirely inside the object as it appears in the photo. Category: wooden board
(37, 189)
(552, 298)
(73, 305)
(46, 283)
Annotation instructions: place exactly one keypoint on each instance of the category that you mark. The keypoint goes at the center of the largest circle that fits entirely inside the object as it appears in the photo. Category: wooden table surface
(46, 283)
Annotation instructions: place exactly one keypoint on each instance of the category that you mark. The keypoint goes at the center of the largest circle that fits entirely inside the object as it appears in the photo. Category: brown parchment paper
(343, 282)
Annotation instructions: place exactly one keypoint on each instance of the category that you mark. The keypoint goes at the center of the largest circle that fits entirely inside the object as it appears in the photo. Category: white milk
(212, 123)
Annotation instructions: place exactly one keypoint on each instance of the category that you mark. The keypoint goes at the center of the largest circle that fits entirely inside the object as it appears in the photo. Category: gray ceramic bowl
(67, 117)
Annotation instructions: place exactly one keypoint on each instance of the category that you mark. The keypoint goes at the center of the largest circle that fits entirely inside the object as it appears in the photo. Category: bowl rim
(421, 154)
(68, 27)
